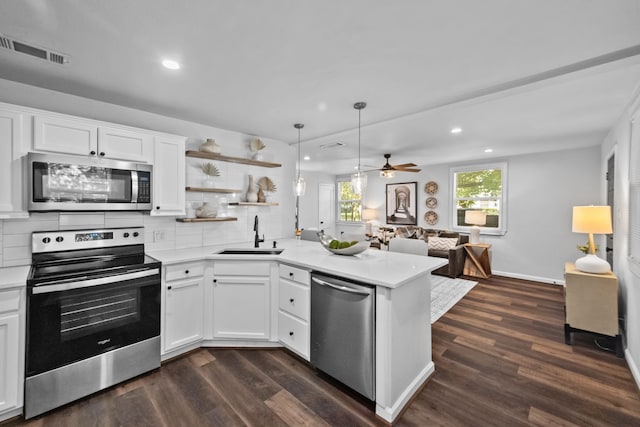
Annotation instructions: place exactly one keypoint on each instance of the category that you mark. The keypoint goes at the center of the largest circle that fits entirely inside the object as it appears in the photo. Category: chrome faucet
(257, 240)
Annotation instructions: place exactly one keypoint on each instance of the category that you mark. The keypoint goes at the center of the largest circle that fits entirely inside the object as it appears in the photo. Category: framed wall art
(402, 199)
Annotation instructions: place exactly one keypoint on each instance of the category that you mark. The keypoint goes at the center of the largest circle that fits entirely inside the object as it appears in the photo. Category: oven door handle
(94, 282)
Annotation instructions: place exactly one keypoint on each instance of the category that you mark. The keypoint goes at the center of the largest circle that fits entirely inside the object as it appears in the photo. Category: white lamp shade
(369, 214)
(359, 182)
(592, 219)
(475, 217)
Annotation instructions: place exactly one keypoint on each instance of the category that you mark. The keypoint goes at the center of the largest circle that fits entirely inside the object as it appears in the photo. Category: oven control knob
(59, 239)
(136, 234)
(126, 235)
(46, 240)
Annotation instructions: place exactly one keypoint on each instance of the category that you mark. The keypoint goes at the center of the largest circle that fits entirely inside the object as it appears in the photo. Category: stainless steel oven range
(93, 314)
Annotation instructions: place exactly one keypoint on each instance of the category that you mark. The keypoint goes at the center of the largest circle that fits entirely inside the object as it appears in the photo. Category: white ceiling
(517, 76)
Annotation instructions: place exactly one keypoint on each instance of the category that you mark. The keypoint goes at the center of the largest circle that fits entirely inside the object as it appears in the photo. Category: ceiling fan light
(359, 183)
(387, 174)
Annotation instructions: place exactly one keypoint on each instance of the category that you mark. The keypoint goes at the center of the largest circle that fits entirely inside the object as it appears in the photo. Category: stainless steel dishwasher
(343, 331)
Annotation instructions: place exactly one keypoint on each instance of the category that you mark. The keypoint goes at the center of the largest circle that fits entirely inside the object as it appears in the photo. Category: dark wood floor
(500, 361)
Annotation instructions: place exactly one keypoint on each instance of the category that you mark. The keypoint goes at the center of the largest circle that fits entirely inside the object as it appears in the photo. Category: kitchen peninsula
(402, 299)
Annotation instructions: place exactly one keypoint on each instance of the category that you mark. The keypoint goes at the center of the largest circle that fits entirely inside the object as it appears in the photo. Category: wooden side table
(591, 305)
(477, 263)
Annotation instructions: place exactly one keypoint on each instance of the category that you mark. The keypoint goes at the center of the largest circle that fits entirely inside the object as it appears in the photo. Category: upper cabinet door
(114, 143)
(65, 136)
(168, 176)
(11, 188)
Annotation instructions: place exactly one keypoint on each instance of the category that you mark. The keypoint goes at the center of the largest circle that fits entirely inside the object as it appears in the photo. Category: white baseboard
(633, 367)
(528, 277)
(389, 414)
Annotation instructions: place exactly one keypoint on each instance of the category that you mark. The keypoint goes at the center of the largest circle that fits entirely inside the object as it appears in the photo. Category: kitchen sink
(251, 252)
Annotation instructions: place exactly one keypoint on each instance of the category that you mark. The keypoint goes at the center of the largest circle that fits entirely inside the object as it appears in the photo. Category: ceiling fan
(387, 169)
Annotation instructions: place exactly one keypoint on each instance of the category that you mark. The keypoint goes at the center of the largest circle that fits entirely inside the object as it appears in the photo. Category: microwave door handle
(134, 186)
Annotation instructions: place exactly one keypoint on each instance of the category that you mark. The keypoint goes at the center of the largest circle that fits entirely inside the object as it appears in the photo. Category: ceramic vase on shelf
(210, 146)
(206, 211)
(207, 181)
(262, 197)
(252, 195)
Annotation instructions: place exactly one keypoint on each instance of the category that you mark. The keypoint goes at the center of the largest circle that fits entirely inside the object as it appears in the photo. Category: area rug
(446, 292)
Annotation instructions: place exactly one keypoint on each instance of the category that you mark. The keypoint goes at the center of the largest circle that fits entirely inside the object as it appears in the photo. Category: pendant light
(359, 179)
(299, 185)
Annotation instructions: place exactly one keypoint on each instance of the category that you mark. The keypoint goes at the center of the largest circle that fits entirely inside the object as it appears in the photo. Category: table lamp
(369, 215)
(475, 218)
(592, 220)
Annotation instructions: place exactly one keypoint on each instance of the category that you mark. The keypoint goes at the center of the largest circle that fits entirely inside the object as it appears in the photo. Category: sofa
(444, 244)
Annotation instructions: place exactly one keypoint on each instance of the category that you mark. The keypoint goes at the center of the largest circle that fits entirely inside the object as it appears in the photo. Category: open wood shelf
(212, 156)
(219, 219)
(213, 190)
(253, 204)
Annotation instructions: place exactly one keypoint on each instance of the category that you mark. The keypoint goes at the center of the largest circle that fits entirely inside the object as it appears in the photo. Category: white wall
(542, 189)
(276, 222)
(309, 202)
(618, 142)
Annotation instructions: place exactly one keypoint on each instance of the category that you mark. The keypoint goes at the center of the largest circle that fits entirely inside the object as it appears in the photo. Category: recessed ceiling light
(322, 106)
(307, 158)
(456, 130)
(171, 64)
(488, 150)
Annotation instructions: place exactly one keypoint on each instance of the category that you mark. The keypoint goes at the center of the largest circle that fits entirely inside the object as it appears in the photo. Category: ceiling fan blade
(409, 170)
(404, 165)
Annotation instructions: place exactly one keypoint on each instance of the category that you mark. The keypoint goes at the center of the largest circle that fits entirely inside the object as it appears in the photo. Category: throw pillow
(404, 232)
(442, 243)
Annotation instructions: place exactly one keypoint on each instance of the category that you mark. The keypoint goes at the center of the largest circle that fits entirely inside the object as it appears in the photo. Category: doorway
(611, 164)
(327, 208)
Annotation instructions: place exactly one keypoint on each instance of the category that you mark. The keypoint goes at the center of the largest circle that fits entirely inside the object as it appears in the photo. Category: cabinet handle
(291, 274)
(169, 287)
(186, 272)
(158, 208)
(291, 300)
(291, 333)
(215, 280)
(102, 154)
(93, 153)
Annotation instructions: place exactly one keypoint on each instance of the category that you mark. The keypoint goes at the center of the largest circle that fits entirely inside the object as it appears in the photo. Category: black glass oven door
(67, 323)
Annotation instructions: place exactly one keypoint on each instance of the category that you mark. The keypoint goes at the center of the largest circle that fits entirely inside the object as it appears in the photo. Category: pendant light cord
(359, 113)
(298, 152)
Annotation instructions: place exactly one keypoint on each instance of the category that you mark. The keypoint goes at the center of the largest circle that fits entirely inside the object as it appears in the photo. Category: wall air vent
(332, 145)
(10, 43)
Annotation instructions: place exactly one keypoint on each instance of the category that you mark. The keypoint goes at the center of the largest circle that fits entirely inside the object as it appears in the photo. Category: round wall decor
(431, 188)
(431, 217)
(431, 202)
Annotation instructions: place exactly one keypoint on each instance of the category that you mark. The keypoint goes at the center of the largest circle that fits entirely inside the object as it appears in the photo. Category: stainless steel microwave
(77, 183)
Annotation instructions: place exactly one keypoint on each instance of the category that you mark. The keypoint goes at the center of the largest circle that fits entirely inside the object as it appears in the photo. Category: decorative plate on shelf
(431, 202)
(431, 188)
(431, 217)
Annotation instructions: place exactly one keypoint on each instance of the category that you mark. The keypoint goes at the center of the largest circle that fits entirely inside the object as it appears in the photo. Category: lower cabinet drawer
(294, 333)
(184, 270)
(294, 299)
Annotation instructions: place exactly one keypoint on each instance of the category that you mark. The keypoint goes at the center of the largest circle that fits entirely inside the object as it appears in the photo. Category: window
(349, 204)
(480, 187)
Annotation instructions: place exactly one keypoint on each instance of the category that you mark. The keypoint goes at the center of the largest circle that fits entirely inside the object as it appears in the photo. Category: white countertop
(375, 267)
(11, 277)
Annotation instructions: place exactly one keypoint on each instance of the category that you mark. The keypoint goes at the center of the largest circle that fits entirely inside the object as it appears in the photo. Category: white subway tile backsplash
(123, 219)
(75, 221)
(14, 240)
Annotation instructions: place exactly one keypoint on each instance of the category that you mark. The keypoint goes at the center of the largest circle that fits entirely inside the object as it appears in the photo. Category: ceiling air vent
(38, 52)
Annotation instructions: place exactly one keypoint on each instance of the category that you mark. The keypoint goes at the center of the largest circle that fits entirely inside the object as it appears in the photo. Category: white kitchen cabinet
(241, 300)
(62, 135)
(125, 144)
(293, 309)
(12, 190)
(168, 176)
(87, 138)
(11, 351)
(183, 305)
